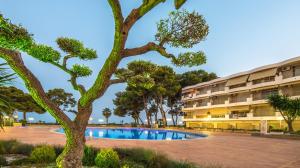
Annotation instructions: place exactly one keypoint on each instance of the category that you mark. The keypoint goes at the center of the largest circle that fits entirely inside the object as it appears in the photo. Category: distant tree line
(154, 90)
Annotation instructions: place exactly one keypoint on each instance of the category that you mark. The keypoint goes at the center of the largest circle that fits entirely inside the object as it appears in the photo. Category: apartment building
(240, 100)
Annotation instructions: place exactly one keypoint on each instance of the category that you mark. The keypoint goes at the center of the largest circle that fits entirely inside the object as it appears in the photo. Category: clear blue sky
(243, 34)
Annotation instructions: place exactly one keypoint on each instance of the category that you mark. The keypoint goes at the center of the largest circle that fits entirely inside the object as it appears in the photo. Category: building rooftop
(258, 69)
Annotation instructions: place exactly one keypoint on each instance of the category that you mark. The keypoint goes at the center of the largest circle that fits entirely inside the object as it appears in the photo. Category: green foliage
(141, 82)
(182, 29)
(76, 48)
(289, 108)
(106, 113)
(107, 158)
(81, 70)
(44, 53)
(70, 46)
(6, 147)
(6, 78)
(130, 164)
(63, 99)
(138, 155)
(195, 77)
(3, 161)
(190, 59)
(43, 154)
(21, 162)
(128, 103)
(14, 147)
(88, 54)
(14, 37)
(89, 156)
(141, 67)
(20, 101)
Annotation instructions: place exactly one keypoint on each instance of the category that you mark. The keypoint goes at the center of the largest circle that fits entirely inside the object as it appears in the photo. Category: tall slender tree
(183, 29)
(106, 113)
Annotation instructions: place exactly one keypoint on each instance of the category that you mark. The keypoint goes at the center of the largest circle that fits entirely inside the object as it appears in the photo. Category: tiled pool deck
(226, 149)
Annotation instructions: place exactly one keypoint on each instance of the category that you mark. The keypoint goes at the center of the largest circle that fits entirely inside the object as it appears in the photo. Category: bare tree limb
(15, 61)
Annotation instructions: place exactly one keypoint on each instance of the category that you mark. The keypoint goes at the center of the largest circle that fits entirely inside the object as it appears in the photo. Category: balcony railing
(238, 99)
(201, 104)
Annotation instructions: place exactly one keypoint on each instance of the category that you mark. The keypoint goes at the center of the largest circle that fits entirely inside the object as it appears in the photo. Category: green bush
(131, 164)
(2, 161)
(89, 156)
(183, 165)
(138, 155)
(6, 147)
(159, 161)
(24, 149)
(58, 149)
(43, 154)
(24, 161)
(107, 158)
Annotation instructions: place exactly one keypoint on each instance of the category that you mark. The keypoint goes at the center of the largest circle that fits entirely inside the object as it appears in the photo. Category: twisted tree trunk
(71, 157)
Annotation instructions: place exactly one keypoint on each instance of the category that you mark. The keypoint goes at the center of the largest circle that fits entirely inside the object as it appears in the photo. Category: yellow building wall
(246, 125)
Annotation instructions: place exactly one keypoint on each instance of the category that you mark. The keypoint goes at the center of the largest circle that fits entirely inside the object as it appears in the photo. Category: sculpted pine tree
(182, 29)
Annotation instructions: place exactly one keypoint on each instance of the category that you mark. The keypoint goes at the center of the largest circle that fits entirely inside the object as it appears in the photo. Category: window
(237, 114)
(296, 70)
(202, 91)
(202, 103)
(218, 116)
(263, 80)
(237, 86)
(218, 87)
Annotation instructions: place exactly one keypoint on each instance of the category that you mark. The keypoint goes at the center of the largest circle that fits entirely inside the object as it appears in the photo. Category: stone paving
(224, 149)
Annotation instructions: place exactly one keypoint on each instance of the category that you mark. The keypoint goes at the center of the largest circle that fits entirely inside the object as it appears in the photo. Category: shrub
(89, 156)
(14, 147)
(24, 161)
(24, 149)
(6, 147)
(43, 154)
(138, 155)
(183, 165)
(2, 161)
(107, 158)
(131, 164)
(159, 161)
(58, 149)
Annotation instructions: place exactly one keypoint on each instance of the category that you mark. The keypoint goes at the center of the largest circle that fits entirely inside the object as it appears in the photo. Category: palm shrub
(43, 154)
(5, 106)
(107, 158)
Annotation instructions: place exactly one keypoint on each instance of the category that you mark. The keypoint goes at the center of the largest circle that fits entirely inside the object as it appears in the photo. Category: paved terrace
(228, 150)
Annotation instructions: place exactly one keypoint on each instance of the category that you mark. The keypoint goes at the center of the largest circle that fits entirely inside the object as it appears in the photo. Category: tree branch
(66, 59)
(73, 79)
(151, 46)
(117, 11)
(116, 81)
(139, 12)
(15, 61)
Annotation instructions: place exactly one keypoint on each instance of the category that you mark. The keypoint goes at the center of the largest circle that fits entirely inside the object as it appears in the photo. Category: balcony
(202, 104)
(263, 95)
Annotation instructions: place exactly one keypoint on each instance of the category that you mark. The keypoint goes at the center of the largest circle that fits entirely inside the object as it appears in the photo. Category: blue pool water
(138, 133)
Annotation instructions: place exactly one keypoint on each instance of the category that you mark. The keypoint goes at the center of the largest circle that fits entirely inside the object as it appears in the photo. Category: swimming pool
(138, 134)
